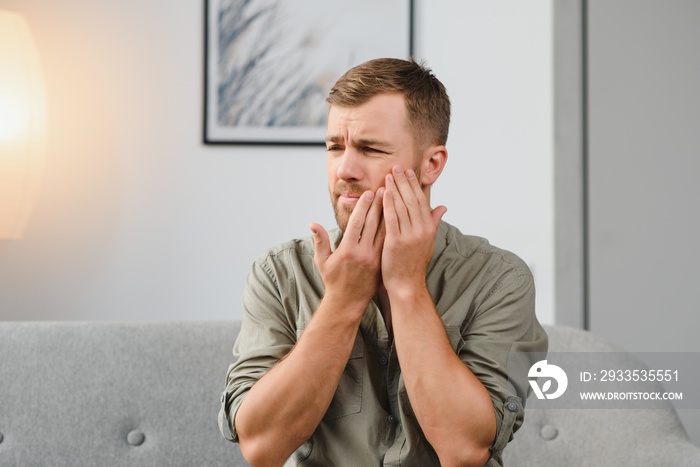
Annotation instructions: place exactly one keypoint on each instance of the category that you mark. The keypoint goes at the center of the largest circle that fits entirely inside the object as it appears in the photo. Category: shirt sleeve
(267, 334)
(503, 323)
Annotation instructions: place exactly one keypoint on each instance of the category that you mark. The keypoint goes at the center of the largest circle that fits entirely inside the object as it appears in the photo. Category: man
(384, 342)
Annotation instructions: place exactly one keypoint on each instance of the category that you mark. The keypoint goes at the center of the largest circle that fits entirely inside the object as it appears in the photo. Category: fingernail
(410, 174)
(398, 170)
(390, 179)
(369, 195)
(380, 192)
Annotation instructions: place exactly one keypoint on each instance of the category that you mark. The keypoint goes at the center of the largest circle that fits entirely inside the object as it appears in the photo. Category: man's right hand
(284, 407)
(352, 272)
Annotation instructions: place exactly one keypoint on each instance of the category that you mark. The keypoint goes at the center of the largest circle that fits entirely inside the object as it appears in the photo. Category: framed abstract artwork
(269, 64)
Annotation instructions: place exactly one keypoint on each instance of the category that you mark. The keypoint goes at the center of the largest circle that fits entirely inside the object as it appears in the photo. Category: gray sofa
(147, 394)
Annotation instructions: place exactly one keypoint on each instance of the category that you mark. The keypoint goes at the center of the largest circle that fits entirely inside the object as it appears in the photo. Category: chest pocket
(347, 399)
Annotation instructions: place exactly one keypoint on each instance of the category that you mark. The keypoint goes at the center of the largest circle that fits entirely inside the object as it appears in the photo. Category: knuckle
(355, 222)
(367, 260)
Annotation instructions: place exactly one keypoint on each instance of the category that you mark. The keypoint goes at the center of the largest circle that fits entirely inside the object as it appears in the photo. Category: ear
(432, 162)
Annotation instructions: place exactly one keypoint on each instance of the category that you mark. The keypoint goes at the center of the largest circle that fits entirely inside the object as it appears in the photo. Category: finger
(408, 195)
(373, 218)
(391, 221)
(357, 218)
(322, 244)
(400, 212)
(436, 215)
(424, 208)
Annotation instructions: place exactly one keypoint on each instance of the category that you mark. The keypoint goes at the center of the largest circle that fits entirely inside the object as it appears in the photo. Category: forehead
(383, 116)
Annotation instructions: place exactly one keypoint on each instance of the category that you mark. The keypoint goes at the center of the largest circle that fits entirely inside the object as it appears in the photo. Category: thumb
(437, 213)
(322, 244)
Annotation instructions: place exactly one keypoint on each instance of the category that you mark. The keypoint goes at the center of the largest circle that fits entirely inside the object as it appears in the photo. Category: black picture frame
(269, 64)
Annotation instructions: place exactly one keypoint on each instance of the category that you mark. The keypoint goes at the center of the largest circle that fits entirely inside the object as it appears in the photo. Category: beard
(342, 212)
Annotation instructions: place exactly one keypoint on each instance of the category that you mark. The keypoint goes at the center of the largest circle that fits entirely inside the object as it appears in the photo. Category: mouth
(349, 198)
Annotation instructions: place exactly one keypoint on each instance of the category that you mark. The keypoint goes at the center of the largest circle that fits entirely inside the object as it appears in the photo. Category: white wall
(137, 220)
(495, 59)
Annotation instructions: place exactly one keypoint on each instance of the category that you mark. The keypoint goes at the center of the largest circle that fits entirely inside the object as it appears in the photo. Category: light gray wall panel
(644, 163)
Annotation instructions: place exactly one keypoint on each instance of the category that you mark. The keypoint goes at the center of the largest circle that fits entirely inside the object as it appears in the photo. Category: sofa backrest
(600, 437)
(114, 394)
(148, 394)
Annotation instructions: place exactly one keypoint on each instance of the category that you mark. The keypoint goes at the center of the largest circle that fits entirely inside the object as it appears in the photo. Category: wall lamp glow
(23, 124)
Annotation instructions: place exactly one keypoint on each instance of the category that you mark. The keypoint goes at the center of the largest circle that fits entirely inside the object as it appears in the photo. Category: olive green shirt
(485, 298)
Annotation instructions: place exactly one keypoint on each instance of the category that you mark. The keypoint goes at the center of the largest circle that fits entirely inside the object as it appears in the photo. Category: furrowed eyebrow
(370, 142)
(362, 142)
(334, 139)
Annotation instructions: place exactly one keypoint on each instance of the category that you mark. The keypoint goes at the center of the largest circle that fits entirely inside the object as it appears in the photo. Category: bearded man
(385, 341)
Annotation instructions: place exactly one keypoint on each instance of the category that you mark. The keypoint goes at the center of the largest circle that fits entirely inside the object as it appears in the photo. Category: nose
(350, 167)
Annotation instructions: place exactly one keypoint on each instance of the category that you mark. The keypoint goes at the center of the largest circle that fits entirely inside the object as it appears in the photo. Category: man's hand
(457, 419)
(286, 405)
(410, 231)
(352, 272)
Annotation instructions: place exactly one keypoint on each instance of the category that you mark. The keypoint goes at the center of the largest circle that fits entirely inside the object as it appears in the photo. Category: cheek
(378, 180)
(380, 173)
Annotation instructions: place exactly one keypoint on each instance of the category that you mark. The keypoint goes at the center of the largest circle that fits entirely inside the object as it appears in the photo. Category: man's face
(363, 144)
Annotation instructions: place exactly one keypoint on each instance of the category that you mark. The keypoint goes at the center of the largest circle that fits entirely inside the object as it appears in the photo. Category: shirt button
(383, 360)
(512, 406)
(390, 419)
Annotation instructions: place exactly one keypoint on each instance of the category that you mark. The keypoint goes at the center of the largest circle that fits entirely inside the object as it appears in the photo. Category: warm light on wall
(23, 129)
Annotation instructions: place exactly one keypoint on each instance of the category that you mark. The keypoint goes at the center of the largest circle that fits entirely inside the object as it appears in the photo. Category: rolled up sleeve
(504, 322)
(266, 336)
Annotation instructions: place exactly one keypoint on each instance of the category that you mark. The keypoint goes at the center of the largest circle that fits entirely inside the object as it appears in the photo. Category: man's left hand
(410, 231)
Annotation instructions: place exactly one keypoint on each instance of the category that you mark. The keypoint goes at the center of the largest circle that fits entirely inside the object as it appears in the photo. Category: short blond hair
(427, 102)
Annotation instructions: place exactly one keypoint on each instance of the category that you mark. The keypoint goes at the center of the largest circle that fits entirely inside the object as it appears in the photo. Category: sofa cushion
(114, 394)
